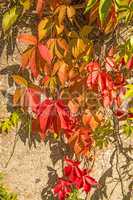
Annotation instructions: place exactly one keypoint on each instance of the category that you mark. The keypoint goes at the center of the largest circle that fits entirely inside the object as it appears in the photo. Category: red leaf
(79, 178)
(93, 66)
(62, 189)
(73, 173)
(28, 39)
(40, 6)
(105, 81)
(110, 62)
(64, 114)
(45, 53)
(92, 80)
(88, 182)
(32, 99)
(53, 115)
(130, 63)
(45, 118)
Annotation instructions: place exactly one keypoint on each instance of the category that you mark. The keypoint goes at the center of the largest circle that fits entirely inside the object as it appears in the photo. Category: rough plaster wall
(28, 169)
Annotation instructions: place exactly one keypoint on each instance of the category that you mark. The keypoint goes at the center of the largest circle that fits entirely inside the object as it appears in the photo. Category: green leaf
(89, 5)
(128, 130)
(129, 92)
(15, 118)
(6, 125)
(104, 7)
(9, 18)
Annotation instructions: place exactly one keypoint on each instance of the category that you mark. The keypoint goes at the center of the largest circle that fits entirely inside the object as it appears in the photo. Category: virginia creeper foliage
(69, 83)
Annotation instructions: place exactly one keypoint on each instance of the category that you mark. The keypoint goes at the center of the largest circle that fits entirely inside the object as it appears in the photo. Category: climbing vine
(74, 80)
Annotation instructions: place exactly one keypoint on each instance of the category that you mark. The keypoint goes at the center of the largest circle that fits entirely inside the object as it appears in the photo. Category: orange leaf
(32, 63)
(81, 141)
(28, 39)
(89, 120)
(63, 73)
(40, 6)
(20, 80)
(17, 96)
(25, 57)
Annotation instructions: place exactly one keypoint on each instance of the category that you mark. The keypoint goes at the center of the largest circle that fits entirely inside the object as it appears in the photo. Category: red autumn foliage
(70, 82)
(75, 177)
(62, 189)
(53, 115)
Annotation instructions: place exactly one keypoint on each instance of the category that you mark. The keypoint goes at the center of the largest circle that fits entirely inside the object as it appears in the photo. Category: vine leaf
(53, 115)
(26, 4)
(45, 53)
(9, 18)
(89, 5)
(20, 80)
(27, 98)
(104, 7)
(81, 141)
(40, 6)
(28, 39)
(34, 57)
(42, 28)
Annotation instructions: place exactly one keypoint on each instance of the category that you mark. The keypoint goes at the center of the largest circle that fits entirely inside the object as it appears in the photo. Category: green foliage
(4, 193)
(126, 50)
(128, 125)
(129, 92)
(8, 124)
(102, 135)
(104, 7)
(128, 128)
(74, 195)
(125, 9)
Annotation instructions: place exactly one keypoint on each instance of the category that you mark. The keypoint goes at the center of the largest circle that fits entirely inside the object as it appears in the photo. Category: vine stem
(118, 147)
(87, 195)
(13, 149)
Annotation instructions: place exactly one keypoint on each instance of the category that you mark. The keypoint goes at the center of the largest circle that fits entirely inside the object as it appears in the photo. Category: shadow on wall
(122, 177)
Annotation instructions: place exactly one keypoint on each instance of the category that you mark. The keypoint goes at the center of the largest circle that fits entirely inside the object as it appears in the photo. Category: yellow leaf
(70, 11)
(73, 34)
(9, 18)
(26, 4)
(59, 29)
(78, 47)
(58, 51)
(52, 84)
(85, 30)
(62, 46)
(51, 46)
(42, 28)
(61, 10)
